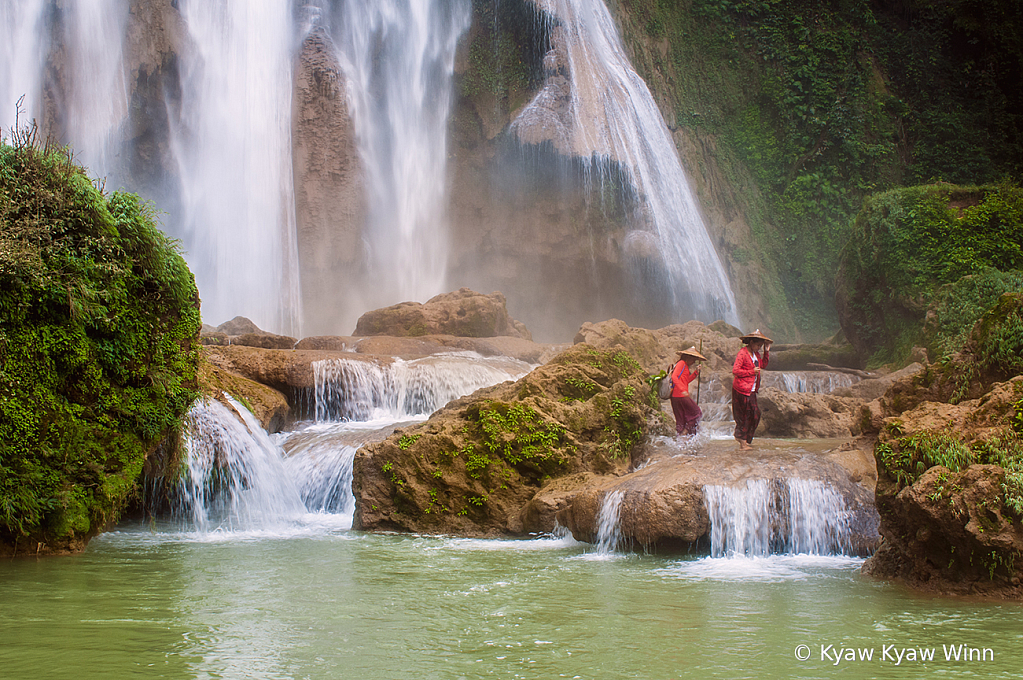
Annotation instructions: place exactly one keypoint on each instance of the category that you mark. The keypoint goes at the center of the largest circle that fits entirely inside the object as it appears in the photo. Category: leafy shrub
(99, 318)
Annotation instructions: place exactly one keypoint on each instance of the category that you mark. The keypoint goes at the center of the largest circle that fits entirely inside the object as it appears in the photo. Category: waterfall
(97, 90)
(815, 382)
(398, 57)
(356, 390)
(234, 475)
(609, 530)
(232, 144)
(607, 114)
(323, 472)
(790, 516)
(23, 48)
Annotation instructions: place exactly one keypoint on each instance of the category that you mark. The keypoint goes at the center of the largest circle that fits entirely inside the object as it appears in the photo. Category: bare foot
(743, 446)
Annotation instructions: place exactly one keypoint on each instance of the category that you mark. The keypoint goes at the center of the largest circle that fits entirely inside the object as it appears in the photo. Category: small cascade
(355, 390)
(323, 472)
(792, 516)
(235, 477)
(609, 529)
(815, 382)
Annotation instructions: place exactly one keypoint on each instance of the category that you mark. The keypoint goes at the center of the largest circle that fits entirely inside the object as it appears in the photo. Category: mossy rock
(474, 465)
(99, 325)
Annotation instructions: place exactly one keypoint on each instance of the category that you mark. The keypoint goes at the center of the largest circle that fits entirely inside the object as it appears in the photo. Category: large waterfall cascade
(612, 116)
(232, 143)
(23, 49)
(796, 516)
(399, 58)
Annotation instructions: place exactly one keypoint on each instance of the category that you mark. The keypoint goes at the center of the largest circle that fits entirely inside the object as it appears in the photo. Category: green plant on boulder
(99, 322)
(910, 242)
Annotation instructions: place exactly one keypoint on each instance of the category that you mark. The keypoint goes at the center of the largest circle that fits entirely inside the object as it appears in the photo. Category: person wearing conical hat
(687, 412)
(746, 383)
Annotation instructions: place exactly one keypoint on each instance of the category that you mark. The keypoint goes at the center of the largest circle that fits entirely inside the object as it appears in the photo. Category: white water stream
(398, 58)
(610, 116)
(232, 142)
(23, 45)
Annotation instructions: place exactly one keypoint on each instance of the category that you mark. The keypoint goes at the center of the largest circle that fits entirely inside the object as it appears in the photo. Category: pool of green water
(332, 603)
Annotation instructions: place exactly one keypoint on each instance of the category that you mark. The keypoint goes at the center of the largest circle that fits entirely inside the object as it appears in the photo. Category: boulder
(805, 415)
(239, 325)
(663, 500)
(475, 464)
(463, 313)
(950, 532)
(268, 405)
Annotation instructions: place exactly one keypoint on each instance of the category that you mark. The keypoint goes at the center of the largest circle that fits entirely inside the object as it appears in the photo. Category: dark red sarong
(746, 412)
(687, 415)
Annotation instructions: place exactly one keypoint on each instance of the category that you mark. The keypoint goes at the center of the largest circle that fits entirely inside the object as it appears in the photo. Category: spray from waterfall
(232, 144)
(795, 516)
(398, 57)
(22, 55)
(604, 114)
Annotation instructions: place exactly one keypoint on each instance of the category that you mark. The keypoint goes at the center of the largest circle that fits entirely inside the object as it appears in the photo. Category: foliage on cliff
(475, 464)
(912, 248)
(99, 321)
(808, 107)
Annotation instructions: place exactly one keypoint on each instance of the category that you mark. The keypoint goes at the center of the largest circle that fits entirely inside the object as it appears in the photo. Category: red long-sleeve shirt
(746, 379)
(680, 379)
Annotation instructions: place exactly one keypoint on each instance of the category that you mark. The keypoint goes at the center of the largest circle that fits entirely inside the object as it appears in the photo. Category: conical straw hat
(691, 352)
(755, 335)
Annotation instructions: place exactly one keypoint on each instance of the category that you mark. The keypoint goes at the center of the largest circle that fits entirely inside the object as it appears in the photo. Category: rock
(463, 313)
(804, 415)
(239, 325)
(949, 532)
(472, 468)
(330, 192)
(663, 501)
(264, 340)
(658, 349)
(873, 388)
(284, 370)
(268, 405)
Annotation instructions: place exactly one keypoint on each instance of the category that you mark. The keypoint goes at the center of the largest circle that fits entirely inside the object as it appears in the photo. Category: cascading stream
(610, 116)
(609, 530)
(22, 55)
(356, 390)
(795, 516)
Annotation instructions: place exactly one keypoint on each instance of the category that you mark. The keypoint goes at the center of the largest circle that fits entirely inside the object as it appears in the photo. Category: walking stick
(699, 377)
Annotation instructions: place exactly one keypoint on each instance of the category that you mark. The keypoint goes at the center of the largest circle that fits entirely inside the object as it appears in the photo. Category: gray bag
(665, 387)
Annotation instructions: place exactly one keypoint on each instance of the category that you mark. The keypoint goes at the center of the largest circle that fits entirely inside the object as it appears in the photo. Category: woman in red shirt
(747, 368)
(687, 412)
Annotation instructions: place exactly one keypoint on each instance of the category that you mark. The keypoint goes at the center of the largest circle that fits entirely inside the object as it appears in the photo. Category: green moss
(99, 320)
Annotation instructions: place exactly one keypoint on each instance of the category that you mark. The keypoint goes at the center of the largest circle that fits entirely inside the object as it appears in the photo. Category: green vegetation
(99, 320)
(911, 242)
(907, 458)
(807, 108)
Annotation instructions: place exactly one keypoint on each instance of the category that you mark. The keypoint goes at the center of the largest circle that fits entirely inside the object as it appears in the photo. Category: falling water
(97, 91)
(607, 115)
(235, 477)
(232, 144)
(609, 530)
(398, 57)
(22, 54)
(815, 382)
(795, 516)
(352, 389)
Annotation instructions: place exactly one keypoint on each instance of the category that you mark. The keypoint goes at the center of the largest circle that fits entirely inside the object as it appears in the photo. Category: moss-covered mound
(476, 463)
(99, 322)
(908, 244)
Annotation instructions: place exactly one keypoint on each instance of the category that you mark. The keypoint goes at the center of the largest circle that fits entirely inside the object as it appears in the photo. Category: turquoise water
(326, 602)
